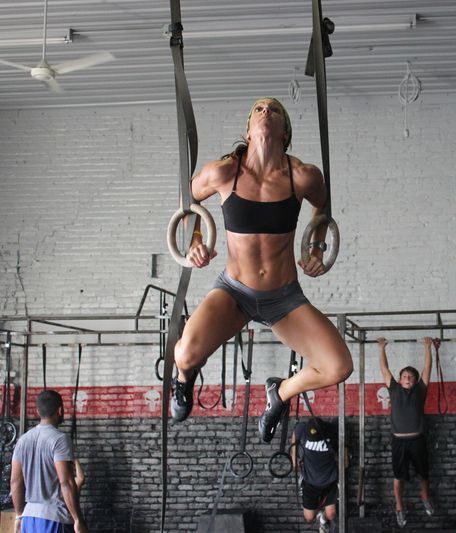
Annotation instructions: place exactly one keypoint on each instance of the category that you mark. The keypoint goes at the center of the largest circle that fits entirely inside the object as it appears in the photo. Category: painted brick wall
(86, 195)
(85, 199)
(122, 461)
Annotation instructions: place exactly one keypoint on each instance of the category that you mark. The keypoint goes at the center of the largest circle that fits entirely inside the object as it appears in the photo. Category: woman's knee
(188, 355)
(346, 369)
(337, 374)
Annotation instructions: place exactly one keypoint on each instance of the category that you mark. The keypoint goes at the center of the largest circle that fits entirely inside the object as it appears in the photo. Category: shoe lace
(179, 391)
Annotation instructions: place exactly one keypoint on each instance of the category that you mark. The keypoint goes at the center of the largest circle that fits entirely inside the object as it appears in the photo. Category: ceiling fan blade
(15, 65)
(54, 85)
(83, 62)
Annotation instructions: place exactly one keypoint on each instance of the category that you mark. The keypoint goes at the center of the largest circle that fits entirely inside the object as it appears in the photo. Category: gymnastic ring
(250, 464)
(8, 434)
(157, 368)
(273, 472)
(172, 230)
(335, 240)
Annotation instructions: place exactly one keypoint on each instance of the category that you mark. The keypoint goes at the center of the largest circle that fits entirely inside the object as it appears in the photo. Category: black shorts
(406, 450)
(314, 498)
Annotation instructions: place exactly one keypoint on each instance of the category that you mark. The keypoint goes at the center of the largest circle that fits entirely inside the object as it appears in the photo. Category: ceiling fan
(47, 73)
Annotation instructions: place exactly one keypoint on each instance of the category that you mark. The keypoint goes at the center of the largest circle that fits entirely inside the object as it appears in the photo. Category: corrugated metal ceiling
(232, 49)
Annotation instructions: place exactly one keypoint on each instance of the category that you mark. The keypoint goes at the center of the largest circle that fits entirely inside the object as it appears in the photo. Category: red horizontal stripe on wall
(134, 402)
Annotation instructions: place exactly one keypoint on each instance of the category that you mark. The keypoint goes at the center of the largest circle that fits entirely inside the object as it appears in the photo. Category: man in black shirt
(315, 443)
(407, 396)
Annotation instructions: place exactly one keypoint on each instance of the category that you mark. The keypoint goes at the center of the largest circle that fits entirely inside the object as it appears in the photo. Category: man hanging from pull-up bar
(407, 423)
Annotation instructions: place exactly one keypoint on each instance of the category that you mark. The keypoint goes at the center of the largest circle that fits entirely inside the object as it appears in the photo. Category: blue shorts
(266, 307)
(30, 524)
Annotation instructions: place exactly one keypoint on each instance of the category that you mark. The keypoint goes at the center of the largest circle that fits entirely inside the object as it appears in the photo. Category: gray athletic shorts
(266, 307)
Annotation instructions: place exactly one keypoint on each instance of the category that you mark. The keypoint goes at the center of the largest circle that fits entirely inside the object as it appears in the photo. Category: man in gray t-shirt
(43, 488)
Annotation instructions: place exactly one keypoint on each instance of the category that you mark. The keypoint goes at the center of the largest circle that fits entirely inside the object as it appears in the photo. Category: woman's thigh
(307, 331)
(216, 319)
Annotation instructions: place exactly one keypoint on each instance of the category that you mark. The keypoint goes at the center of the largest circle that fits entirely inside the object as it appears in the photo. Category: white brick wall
(86, 195)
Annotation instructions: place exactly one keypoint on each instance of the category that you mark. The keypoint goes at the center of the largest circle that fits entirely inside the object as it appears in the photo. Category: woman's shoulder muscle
(309, 181)
(212, 177)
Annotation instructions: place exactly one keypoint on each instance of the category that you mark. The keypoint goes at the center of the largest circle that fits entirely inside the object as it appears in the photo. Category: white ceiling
(233, 49)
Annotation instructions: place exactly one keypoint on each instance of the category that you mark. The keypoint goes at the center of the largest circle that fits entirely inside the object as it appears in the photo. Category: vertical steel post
(362, 381)
(341, 325)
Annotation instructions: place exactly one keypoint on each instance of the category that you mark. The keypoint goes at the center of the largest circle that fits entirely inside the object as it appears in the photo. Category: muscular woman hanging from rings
(261, 189)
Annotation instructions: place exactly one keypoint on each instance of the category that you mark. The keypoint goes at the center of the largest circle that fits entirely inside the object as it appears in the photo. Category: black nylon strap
(227, 465)
(247, 370)
(221, 396)
(43, 358)
(242, 454)
(237, 345)
(277, 460)
(210, 525)
(223, 377)
(286, 416)
(442, 403)
(316, 67)
(74, 427)
(188, 153)
(6, 403)
(162, 337)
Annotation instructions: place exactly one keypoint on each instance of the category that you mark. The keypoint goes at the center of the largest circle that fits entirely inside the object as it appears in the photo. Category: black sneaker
(275, 408)
(182, 398)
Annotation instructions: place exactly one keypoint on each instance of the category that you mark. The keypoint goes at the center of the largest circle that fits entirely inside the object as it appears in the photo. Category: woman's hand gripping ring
(335, 240)
(172, 231)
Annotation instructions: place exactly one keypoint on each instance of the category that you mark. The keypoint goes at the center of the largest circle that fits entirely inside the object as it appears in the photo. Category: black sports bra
(250, 216)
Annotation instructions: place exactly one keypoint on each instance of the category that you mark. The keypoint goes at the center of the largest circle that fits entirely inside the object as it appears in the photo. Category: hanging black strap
(246, 458)
(43, 358)
(237, 345)
(221, 396)
(7, 428)
(162, 337)
(280, 463)
(442, 403)
(296, 447)
(74, 427)
(188, 152)
(210, 526)
(223, 377)
(320, 48)
(8, 378)
(6, 403)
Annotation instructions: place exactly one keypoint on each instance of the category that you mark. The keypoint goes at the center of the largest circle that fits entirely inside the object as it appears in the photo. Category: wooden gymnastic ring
(172, 231)
(335, 240)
